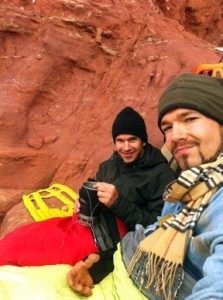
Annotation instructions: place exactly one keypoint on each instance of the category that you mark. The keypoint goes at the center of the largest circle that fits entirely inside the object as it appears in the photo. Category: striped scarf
(163, 252)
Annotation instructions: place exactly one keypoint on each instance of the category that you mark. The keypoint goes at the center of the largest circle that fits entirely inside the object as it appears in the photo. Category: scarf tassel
(159, 272)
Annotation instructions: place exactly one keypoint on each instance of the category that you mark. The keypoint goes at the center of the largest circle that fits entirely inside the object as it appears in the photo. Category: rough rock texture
(203, 18)
(68, 67)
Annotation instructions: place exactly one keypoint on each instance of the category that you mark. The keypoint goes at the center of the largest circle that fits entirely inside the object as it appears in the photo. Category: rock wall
(203, 18)
(68, 67)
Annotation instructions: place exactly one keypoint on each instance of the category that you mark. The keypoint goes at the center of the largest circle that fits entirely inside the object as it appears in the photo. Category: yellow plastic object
(214, 70)
(40, 211)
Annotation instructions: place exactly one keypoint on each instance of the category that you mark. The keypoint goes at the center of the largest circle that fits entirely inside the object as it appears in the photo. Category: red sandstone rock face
(203, 18)
(68, 67)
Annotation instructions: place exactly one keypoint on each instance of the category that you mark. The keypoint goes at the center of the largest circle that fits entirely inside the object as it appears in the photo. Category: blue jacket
(203, 264)
(204, 259)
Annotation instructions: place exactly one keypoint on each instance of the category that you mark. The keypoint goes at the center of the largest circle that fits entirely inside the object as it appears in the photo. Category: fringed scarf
(165, 249)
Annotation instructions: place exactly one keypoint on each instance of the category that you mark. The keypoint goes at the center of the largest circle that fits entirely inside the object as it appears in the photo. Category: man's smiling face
(191, 137)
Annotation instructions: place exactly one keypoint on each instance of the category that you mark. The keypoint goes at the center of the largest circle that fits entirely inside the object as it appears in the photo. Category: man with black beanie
(131, 182)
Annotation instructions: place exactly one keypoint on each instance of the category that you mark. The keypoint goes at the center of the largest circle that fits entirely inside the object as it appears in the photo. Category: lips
(128, 155)
(182, 150)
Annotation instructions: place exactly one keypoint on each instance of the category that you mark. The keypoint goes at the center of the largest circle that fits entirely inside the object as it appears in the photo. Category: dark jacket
(140, 186)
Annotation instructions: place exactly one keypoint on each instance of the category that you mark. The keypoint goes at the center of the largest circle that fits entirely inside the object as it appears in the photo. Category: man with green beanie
(181, 255)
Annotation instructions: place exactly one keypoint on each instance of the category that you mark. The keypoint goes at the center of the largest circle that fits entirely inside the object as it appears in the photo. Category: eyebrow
(183, 114)
(128, 139)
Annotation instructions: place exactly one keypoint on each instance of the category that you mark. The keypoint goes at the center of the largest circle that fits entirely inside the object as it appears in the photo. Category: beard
(185, 162)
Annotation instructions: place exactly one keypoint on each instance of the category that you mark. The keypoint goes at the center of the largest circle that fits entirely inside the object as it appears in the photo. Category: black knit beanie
(201, 93)
(129, 121)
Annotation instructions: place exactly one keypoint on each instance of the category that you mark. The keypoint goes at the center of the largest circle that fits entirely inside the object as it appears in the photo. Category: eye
(190, 119)
(118, 142)
(132, 140)
(166, 128)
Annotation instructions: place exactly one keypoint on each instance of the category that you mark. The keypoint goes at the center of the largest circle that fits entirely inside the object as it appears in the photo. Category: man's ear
(144, 144)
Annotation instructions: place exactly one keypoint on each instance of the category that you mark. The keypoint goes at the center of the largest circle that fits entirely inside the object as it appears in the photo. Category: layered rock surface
(68, 67)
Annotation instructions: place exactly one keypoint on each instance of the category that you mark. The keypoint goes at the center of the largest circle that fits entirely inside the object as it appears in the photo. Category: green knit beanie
(201, 93)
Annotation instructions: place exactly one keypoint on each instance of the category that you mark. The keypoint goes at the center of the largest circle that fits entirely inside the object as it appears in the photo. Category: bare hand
(79, 278)
(77, 206)
(107, 193)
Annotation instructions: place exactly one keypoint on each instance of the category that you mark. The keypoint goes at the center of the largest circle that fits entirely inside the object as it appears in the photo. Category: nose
(126, 145)
(178, 132)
